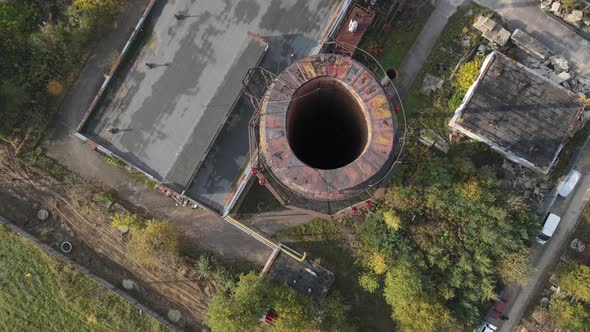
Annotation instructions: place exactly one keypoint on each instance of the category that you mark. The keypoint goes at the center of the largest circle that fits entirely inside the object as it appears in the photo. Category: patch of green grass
(113, 161)
(325, 239)
(40, 293)
(398, 41)
(104, 197)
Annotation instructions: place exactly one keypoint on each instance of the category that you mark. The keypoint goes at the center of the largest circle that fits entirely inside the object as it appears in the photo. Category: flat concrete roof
(168, 115)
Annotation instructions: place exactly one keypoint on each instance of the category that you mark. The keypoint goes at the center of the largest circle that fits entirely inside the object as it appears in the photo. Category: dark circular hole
(326, 127)
(391, 73)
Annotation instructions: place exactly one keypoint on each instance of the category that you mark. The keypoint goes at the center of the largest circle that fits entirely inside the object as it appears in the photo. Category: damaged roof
(518, 112)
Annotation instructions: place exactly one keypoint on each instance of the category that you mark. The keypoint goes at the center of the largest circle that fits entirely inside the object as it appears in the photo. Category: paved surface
(203, 230)
(527, 16)
(570, 209)
(420, 50)
(169, 115)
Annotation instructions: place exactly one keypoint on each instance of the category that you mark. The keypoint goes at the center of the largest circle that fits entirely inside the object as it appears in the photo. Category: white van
(549, 228)
(569, 183)
(485, 327)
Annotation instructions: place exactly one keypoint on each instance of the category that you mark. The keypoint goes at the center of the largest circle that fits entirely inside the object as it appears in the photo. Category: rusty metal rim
(325, 184)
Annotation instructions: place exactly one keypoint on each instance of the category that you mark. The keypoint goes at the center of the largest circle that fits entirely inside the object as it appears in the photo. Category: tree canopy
(43, 45)
(459, 225)
(576, 281)
(242, 307)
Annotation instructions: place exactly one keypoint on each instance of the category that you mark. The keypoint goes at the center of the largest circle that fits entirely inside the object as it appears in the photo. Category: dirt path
(97, 246)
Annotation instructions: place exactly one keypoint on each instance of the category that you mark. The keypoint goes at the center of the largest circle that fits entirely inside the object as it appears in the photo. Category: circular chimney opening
(326, 125)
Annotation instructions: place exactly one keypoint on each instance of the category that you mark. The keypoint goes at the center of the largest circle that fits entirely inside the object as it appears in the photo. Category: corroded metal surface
(327, 184)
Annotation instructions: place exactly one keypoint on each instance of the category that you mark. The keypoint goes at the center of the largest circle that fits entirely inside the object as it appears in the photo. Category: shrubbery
(43, 46)
(241, 307)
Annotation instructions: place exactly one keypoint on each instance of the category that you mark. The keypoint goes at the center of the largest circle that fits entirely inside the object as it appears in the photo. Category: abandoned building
(518, 113)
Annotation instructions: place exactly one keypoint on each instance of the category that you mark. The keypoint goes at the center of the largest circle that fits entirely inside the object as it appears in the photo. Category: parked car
(549, 228)
(485, 327)
(569, 183)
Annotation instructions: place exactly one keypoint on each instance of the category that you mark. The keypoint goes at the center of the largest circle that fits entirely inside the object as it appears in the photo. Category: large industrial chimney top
(326, 128)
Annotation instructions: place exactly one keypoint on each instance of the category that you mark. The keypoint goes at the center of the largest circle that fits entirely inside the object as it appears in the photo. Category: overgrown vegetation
(391, 46)
(43, 45)
(241, 307)
(573, 314)
(40, 293)
(156, 244)
(359, 287)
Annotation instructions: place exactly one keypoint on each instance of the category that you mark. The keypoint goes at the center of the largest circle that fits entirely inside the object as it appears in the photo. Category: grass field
(325, 239)
(40, 293)
(397, 42)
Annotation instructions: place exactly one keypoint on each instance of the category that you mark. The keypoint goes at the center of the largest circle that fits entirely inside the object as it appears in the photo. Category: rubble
(492, 31)
(529, 44)
(546, 4)
(521, 180)
(556, 7)
(433, 139)
(561, 77)
(430, 84)
(574, 17)
(557, 69)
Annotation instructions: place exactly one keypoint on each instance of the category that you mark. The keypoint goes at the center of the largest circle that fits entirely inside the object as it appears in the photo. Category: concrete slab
(167, 113)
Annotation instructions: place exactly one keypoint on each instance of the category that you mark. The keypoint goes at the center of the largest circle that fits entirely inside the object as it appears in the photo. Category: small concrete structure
(518, 113)
(529, 44)
(492, 31)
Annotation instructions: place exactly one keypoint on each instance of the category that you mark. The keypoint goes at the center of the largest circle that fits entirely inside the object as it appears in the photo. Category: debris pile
(521, 180)
(492, 31)
(556, 68)
(430, 84)
(574, 17)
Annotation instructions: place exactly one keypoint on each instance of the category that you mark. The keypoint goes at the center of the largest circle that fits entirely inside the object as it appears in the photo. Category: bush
(576, 281)
(369, 282)
(392, 220)
(466, 75)
(104, 197)
(128, 220)
(156, 244)
(455, 101)
(572, 316)
(204, 267)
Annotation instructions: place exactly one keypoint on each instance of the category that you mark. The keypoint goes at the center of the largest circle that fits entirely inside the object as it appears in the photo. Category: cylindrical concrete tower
(326, 135)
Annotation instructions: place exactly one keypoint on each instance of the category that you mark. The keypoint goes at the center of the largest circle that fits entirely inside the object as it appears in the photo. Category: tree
(392, 220)
(515, 267)
(412, 308)
(155, 244)
(572, 316)
(241, 308)
(576, 281)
